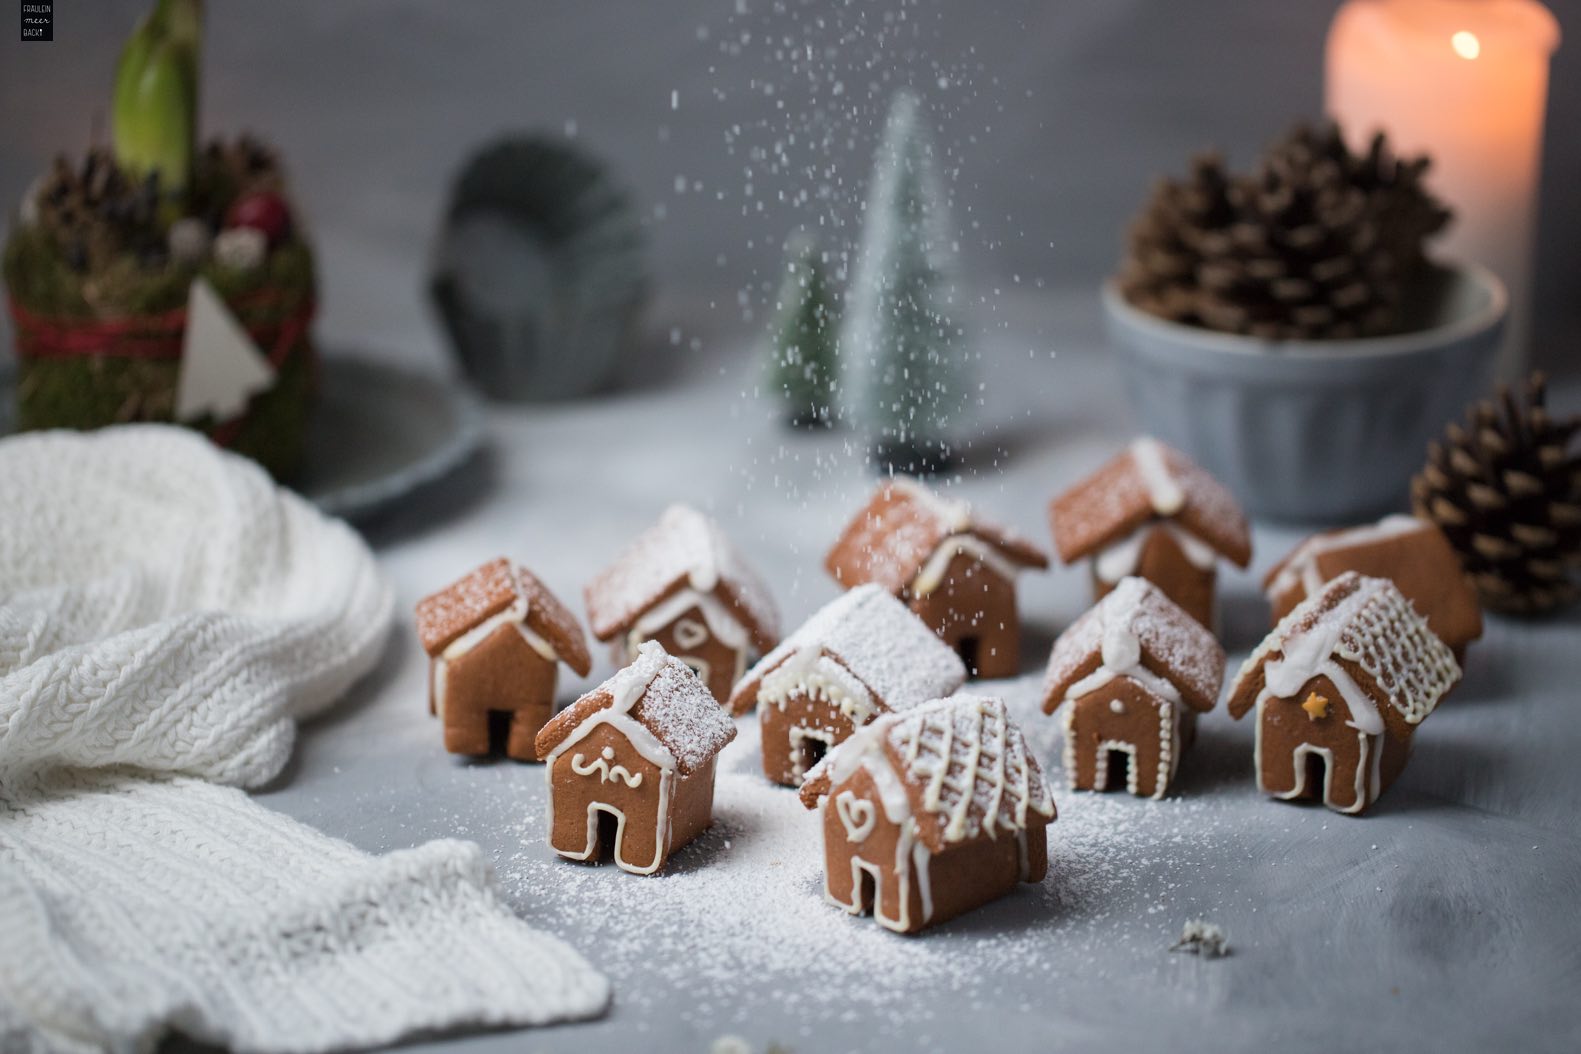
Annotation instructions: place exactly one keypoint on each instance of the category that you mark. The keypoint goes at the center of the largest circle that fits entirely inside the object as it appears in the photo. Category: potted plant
(105, 253)
(1287, 328)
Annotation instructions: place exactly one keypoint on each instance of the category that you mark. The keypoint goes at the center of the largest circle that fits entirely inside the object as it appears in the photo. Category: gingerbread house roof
(491, 590)
(964, 766)
(1148, 481)
(1367, 638)
(1412, 553)
(903, 525)
(1136, 628)
(662, 696)
(876, 639)
(684, 549)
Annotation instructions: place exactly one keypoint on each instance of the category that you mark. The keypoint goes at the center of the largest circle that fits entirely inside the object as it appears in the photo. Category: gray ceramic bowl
(1315, 432)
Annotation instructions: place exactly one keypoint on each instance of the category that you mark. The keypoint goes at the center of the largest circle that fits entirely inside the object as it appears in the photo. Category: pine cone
(1317, 244)
(1159, 273)
(1507, 492)
(1407, 214)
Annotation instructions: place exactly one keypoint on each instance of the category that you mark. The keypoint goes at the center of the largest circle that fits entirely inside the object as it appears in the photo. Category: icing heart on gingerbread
(858, 815)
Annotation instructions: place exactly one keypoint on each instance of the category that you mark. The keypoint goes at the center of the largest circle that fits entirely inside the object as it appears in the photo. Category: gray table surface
(1447, 919)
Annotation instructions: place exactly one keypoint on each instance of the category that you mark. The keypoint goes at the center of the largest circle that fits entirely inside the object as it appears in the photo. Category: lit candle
(1464, 81)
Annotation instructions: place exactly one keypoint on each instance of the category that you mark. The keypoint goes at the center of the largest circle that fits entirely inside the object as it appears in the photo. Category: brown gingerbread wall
(504, 676)
(575, 794)
(1138, 721)
(959, 879)
(974, 611)
(800, 711)
(1286, 726)
(1163, 563)
(722, 661)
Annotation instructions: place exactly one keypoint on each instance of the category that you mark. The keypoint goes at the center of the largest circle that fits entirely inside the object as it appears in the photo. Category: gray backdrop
(1057, 116)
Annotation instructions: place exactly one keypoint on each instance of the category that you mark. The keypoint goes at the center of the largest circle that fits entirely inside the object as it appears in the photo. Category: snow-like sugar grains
(882, 643)
(678, 709)
(683, 545)
(1192, 658)
(445, 615)
(971, 766)
(746, 900)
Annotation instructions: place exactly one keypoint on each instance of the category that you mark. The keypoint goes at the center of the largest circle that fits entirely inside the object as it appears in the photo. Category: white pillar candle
(1466, 82)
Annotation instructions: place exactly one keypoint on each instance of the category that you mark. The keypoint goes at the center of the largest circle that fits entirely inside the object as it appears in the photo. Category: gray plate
(379, 433)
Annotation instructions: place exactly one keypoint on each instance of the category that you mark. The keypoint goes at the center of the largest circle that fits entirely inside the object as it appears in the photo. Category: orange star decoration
(1316, 706)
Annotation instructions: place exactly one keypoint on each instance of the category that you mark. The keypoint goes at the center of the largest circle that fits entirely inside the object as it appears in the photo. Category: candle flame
(1466, 44)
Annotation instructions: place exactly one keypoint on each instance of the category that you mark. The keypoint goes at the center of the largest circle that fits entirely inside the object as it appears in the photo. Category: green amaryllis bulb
(155, 108)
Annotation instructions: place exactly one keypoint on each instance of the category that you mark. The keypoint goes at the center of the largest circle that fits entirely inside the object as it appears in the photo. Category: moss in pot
(1286, 328)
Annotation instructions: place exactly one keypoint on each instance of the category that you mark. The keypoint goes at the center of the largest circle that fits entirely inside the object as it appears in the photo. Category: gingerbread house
(495, 641)
(683, 584)
(862, 655)
(1131, 675)
(1339, 687)
(1153, 512)
(931, 812)
(957, 573)
(1410, 552)
(630, 765)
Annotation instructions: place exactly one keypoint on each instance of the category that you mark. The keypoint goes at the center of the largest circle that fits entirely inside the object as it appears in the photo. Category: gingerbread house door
(861, 846)
(604, 802)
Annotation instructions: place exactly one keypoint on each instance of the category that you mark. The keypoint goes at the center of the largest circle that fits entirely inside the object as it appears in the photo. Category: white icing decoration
(1100, 776)
(1122, 557)
(626, 687)
(1300, 568)
(1116, 706)
(1163, 492)
(1310, 654)
(797, 737)
(689, 633)
(858, 815)
(721, 622)
(607, 773)
(932, 574)
(1369, 763)
(811, 673)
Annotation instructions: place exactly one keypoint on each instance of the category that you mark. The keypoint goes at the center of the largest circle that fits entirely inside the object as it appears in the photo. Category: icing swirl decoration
(607, 773)
(857, 814)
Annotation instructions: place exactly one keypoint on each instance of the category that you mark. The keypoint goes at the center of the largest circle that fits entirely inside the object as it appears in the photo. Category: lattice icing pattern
(966, 763)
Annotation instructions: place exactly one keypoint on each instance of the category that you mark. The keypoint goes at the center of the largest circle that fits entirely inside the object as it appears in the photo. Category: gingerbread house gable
(684, 552)
(500, 592)
(1136, 631)
(1412, 553)
(906, 535)
(865, 651)
(1148, 482)
(658, 704)
(961, 763)
(1361, 633)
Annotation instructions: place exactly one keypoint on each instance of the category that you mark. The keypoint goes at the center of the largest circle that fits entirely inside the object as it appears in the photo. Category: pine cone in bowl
(1506, 489)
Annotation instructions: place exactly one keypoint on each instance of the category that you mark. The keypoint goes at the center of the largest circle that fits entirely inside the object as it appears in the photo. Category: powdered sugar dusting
(684, 547)
(746, 901)
(881, 642)
(1174, 644)
(1374, 626)
(966, 769)
(683, 715)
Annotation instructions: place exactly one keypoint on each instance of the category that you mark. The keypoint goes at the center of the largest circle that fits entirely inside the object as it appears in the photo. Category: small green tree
(804, 337)
(900, 328)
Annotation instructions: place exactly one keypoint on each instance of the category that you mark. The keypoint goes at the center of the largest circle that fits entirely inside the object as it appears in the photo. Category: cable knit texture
(166, 614)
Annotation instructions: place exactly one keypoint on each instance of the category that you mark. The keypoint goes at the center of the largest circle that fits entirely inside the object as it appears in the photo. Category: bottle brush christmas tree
(900, 328)
(804, 337)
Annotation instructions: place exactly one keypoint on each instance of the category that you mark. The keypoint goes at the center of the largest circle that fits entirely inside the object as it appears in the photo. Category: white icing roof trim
(1166, 495)
(932, 574)
(1301, 566)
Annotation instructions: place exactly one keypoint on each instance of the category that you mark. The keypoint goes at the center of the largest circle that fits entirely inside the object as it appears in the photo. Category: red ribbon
(156, 336)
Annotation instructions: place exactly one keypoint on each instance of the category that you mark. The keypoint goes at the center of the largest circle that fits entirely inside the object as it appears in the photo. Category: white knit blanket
(166, 614)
